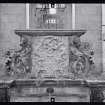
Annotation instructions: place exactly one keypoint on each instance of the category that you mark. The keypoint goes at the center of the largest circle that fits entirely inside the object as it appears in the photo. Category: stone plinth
(44, 90)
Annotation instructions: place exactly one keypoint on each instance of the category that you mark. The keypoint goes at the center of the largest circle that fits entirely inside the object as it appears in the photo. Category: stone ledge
(50, 32)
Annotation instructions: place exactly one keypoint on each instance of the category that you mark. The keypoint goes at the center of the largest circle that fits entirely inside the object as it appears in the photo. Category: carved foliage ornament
(51, 56)
(18, 61)
(80, 57)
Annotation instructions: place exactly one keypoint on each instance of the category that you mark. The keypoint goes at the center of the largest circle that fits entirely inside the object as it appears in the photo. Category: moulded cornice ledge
(53, 82)
(50, 32)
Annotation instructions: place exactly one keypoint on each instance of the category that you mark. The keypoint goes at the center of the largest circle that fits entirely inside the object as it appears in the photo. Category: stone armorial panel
(50, 55)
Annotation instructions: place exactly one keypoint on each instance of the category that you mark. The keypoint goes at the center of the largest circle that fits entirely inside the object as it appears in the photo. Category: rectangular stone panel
(50, 55)
(66, 94)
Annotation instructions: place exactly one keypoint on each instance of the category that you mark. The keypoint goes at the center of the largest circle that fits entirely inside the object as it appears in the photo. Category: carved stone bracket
(80, 57)
(18, 62)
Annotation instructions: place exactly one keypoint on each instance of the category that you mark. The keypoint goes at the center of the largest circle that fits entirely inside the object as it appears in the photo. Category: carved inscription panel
(50, 56)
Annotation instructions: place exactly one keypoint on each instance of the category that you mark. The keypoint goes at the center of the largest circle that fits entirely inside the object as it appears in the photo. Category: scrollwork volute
(19, 62)
(80, 57)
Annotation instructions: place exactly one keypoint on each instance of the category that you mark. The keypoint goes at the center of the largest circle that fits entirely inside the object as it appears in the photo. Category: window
(50, 15)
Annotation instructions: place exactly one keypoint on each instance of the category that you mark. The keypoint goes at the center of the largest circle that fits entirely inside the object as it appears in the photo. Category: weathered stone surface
(50, 55)
(31, 93)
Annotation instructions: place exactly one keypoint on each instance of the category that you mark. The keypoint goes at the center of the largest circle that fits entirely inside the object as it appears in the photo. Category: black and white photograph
(52, 52)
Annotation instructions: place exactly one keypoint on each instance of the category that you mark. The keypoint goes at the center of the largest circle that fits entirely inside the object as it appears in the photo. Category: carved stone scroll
(80, 57)
(19, 62)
